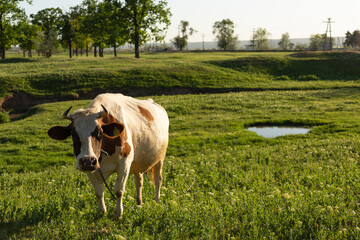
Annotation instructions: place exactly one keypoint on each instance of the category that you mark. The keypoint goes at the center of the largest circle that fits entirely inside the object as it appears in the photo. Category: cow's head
(92, 133)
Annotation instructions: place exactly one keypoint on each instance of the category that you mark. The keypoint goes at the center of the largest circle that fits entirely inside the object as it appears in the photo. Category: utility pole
(253, 39)
(179, 39)
(203, 42)
(328, 29)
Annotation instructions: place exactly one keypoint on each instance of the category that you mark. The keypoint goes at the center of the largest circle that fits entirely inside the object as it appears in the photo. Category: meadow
(221, 181)
(160, 73)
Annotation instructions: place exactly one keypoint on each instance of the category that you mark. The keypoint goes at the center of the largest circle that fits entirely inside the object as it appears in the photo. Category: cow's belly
(146, 159)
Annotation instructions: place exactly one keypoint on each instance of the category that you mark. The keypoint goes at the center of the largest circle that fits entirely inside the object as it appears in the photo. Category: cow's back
(147, 125)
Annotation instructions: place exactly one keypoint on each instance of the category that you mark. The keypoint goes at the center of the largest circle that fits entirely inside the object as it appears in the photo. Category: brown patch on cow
(126, 149)
(108, 119)
(96, 140)
(110, 142)
(76, 142)
(146, 114)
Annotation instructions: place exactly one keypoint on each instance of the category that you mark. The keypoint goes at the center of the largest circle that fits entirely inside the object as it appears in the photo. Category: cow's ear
(109, 128)
(59, 132)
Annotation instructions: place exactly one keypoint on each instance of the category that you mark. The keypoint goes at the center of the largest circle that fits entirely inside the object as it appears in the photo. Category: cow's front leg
(122, 176)
(98, 185)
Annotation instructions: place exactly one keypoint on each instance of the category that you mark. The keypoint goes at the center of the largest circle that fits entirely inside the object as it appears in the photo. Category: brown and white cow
(118, 134)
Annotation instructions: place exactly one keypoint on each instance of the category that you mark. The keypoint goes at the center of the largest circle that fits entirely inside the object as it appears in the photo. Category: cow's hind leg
(139, 184)
(157, 178)
(98, 185)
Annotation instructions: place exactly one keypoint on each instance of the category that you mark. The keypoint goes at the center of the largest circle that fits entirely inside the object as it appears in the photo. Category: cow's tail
(152, 176)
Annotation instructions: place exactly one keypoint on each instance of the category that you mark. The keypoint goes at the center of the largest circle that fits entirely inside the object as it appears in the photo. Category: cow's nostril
(93, 162)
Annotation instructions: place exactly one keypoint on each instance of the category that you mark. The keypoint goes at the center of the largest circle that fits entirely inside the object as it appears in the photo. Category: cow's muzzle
(88, 164)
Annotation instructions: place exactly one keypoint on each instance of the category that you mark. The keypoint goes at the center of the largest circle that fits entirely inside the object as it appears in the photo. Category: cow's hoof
(117, 217)
(101, 213)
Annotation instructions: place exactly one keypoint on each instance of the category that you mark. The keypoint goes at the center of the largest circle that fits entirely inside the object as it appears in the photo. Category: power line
(328, 29)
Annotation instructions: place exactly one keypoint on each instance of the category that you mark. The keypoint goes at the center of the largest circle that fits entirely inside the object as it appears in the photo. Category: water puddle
(273, 131)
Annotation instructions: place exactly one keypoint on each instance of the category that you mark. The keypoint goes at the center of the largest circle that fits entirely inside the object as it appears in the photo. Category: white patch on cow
(84, 125)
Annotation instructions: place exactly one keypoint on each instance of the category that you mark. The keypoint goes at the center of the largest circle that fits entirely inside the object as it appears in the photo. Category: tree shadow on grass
(17, 60)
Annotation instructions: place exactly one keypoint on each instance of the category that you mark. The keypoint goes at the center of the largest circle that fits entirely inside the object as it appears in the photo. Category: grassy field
(159, 72)
(220, 180)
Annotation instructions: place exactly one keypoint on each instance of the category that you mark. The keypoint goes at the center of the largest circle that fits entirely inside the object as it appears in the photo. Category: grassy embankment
(157, 72)
(220, 181)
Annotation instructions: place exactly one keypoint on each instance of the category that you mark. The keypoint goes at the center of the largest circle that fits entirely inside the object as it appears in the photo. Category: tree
(352, 39)
(67, 32)
(27, 36)
(116, 25)
(261, 39)
(181, 42)
(224, 31)
(46, 44)
(50, 21)
(284, 43)
(10, 13)
(95, 24)
(146, 19)
(300, 46)
(316, 41)
(72, 29)
(320, 42)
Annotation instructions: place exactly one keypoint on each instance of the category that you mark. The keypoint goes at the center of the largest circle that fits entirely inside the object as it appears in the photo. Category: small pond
(273, 131)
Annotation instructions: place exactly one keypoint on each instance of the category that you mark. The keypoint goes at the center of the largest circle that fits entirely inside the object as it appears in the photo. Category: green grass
(156, 73)
(220, 180)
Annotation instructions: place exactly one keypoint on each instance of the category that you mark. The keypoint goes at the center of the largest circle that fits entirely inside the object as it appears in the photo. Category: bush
(283, 77)
(4, 117)
(308, 77)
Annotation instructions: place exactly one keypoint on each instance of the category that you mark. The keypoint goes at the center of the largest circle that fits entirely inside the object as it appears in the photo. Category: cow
(118, 134)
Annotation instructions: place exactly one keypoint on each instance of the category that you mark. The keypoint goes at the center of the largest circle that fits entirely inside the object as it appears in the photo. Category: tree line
(93, 23)
(226, 38)
(97, 24)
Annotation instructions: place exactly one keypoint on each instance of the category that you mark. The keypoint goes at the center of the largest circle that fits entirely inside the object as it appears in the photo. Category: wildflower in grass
(173, 203)
(118, 237)
(277, 191)
(286, 196)
(130, 197)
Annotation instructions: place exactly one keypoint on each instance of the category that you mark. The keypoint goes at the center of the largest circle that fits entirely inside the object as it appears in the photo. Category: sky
(300, 18)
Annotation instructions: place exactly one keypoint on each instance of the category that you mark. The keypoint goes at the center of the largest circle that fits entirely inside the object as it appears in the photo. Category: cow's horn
(66, 113)
(106, 112)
